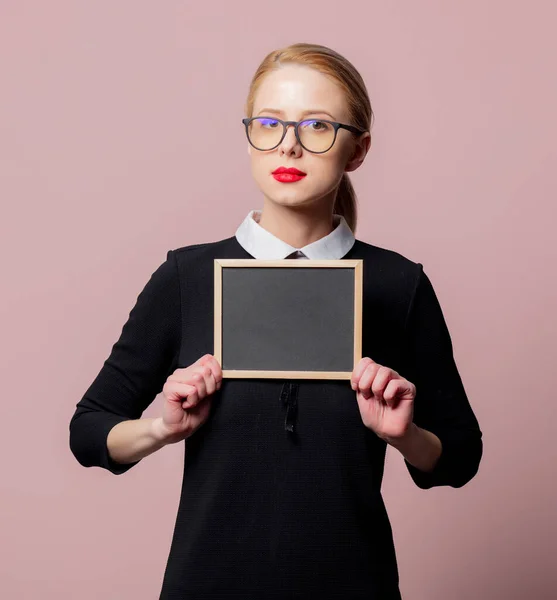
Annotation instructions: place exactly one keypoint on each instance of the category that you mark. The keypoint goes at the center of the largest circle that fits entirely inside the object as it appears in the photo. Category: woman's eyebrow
(306, 112)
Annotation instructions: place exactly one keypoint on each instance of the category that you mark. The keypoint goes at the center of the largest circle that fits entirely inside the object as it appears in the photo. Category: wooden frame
(356, 264)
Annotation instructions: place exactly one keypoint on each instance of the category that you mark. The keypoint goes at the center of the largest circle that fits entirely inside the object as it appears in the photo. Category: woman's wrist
(402, 442)
(420, 447)
(159, 432)
(133, 439)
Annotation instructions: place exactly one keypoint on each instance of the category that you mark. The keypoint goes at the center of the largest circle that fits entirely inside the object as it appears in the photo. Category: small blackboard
(290, 318)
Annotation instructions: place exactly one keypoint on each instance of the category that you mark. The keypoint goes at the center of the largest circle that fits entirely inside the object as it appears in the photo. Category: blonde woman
(281, 493)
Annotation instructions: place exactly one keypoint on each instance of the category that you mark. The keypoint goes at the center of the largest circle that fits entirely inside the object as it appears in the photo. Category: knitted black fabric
(281, 494)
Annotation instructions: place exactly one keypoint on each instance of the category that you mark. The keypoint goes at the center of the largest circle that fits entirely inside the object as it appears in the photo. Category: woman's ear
(359, 152)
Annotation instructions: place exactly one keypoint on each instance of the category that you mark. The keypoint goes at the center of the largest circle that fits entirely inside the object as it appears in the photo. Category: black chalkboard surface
(293, 318)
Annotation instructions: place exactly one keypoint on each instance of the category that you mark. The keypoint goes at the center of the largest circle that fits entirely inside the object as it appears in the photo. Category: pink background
(120, 138)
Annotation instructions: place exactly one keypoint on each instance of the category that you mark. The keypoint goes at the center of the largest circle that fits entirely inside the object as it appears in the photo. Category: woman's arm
(130, 441)
(441, 405)
(421, 448)
(145, 354)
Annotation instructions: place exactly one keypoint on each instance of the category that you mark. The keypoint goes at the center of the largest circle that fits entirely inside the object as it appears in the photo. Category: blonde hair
(330, 63)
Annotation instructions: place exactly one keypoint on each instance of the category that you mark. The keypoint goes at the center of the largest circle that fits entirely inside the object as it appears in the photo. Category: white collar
(263, 245)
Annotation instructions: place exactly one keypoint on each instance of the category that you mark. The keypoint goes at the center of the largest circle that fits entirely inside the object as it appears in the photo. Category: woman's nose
(290, 139)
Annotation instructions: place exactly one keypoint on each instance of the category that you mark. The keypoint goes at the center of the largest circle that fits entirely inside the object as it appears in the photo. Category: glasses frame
(296, 124)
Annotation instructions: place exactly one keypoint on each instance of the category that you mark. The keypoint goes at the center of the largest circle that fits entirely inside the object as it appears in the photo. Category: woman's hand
(385, 399)
(187, 399)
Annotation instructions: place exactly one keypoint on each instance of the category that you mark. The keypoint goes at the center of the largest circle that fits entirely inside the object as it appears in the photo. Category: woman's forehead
(292, 91)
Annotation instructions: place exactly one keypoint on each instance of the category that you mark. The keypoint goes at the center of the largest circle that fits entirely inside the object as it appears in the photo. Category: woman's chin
(292, 202)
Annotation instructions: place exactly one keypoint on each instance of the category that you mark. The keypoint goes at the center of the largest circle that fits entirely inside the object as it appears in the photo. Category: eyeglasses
(315, 135)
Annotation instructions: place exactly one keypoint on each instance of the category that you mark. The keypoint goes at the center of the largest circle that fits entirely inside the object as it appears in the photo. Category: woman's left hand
(385, 399)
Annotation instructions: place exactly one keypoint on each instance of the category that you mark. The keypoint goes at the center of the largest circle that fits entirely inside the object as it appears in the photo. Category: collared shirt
(262, 244)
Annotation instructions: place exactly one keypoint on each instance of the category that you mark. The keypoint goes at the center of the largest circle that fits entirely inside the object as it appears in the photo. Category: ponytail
(345, 202)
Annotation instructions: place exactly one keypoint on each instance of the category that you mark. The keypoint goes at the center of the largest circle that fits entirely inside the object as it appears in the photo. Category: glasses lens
(316, 136)
(265, 132)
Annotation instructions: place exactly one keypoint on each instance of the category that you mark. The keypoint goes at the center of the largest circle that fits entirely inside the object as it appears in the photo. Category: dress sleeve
(441, 404)
(139, 363)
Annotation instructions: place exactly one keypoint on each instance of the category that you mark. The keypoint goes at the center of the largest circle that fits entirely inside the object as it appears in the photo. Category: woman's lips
(287, 177)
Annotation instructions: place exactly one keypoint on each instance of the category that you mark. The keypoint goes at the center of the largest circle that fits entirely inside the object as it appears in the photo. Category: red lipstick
(288, 175)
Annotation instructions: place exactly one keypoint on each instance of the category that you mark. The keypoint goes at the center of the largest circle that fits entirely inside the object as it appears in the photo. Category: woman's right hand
(188, 394)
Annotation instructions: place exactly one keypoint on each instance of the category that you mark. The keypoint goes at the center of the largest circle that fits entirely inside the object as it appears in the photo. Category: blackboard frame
(220, 264)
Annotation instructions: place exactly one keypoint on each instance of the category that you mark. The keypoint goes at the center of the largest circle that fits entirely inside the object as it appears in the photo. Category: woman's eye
(268, 122)
(314, 125)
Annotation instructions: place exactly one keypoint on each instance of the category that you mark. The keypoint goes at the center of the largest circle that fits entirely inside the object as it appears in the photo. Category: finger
(213, 364)
(199, 376)
(209, 380)
(198, 380)
(359, 370)
(367, 379)
(176, 391)
(184, 374)
(392, 391)
(191, 400)
(382, 378)
(203, 359)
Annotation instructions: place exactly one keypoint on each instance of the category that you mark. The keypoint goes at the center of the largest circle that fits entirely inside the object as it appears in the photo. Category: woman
(281, 485)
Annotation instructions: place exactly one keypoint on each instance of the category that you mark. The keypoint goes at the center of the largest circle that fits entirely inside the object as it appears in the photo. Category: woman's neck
(297, 226)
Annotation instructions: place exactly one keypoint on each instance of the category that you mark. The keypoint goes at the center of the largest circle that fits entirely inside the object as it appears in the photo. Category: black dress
(281, 493)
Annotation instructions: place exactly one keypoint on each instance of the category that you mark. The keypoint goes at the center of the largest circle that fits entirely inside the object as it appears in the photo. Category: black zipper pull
(289, 397)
